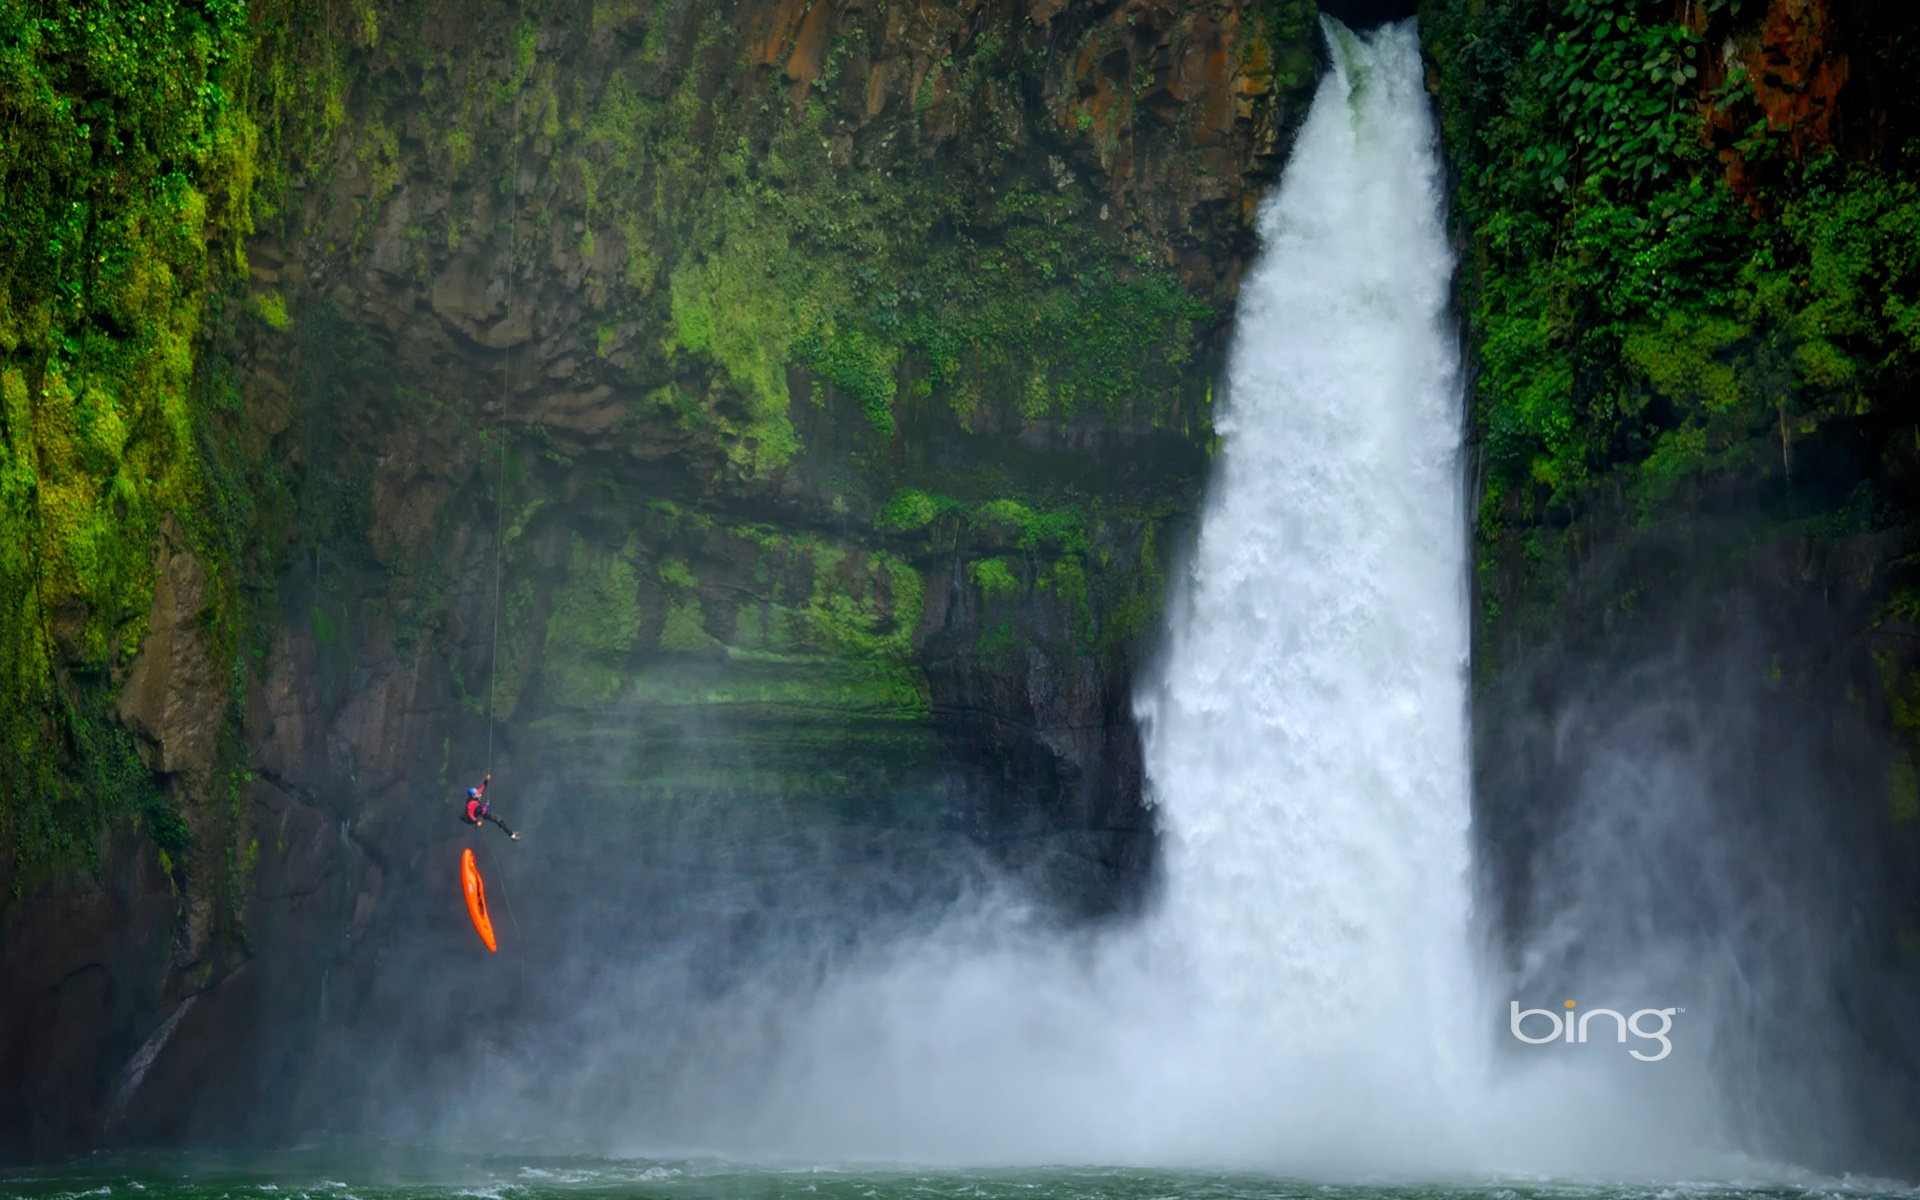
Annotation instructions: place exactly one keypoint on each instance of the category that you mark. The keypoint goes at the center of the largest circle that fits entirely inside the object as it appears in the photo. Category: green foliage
(856, 362)
(272, 308)
(1055, 345)
(685, 627)
(727, 307)
(994, 577)
(1625, 83)
(1106, 608)
(127, 183)
(677, 573)
(1005, 521)
(1059, 529)
(862, 607)
(910, 509)
(1068, 581)
(1629, 312)
(1850, 249)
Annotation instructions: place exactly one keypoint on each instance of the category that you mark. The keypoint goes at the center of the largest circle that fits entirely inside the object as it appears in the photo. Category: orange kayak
(476, 898)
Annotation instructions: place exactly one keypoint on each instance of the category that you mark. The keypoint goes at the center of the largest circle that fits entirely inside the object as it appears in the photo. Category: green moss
(677, 573)
(862, 609)
(856, 362)
(1058, 529)
(593, 625)
(1680, 454)
(1686, 359)
(272, 308)
(857, 606)
(910, 509)
(804, 693)
(459, 149)
(837, 649)
(1006, 513)
(1067, 580)
(685, 627)
(993, 577)
(127, 183)
(727, 308)
(906, 598)
(998, 639)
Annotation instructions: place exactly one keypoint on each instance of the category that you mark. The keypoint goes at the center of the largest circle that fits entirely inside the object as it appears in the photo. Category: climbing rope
(500, 502)
(500, 425)
(493, 655)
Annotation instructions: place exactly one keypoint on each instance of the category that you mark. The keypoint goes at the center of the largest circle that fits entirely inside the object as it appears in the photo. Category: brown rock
(1797, 74)
(810, 47)
(167, 696)
(463, 293)
(777, 30)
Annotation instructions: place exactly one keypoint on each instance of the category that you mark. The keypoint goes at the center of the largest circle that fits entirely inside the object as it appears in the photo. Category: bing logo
(1570, 1028)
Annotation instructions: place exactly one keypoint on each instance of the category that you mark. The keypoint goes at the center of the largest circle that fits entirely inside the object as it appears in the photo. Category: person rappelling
(480, 810)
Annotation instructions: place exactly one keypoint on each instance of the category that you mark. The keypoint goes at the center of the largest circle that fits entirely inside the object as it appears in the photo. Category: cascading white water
(1306, 738)
(1306, 741)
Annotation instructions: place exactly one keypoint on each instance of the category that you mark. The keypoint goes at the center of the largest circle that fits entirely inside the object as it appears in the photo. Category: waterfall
(1307, 734)
(1306, 741)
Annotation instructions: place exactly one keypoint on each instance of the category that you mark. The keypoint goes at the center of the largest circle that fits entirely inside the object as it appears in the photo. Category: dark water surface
(434, 1176)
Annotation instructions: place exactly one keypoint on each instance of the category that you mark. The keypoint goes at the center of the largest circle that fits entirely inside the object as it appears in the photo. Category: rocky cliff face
(1688, 233)
(757, 431)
